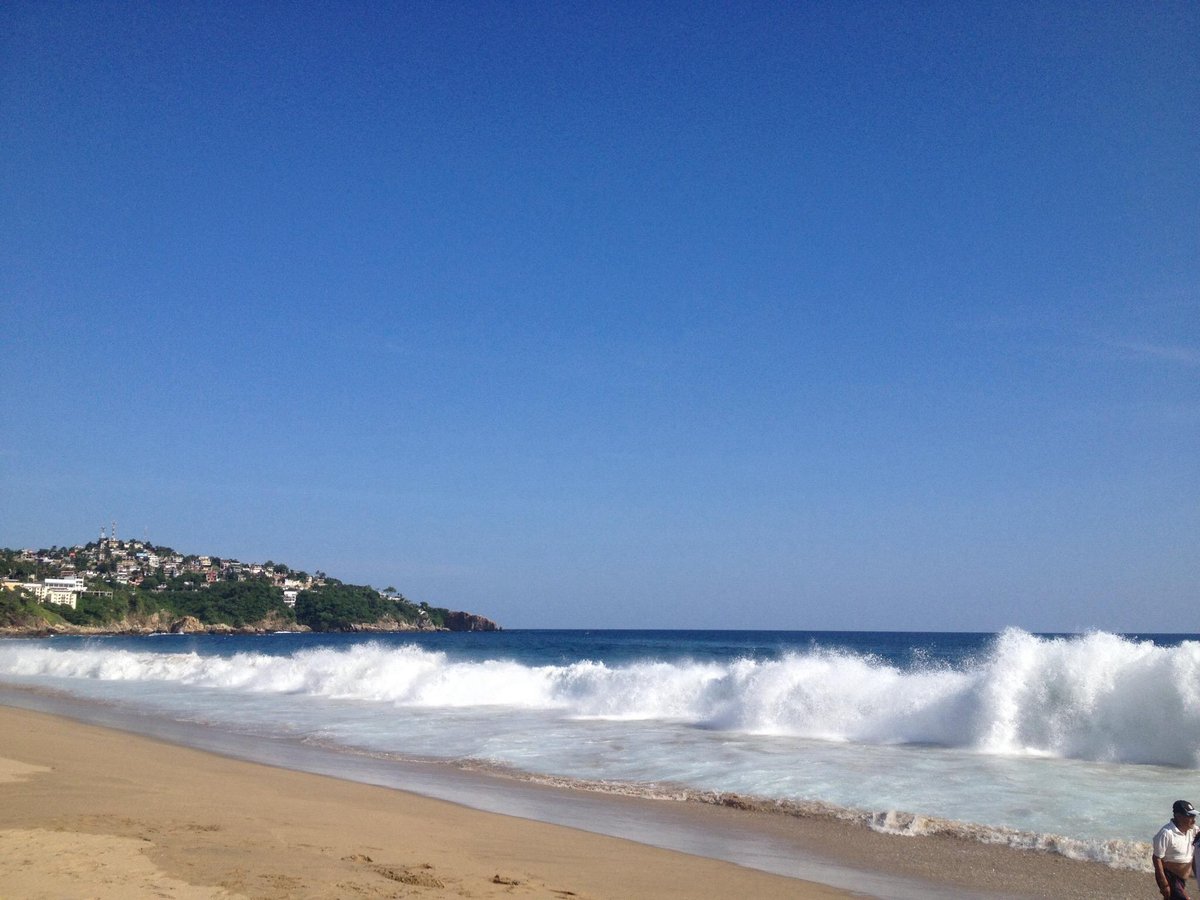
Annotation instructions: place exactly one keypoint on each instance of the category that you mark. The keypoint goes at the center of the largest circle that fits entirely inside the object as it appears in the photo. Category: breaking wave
(1098, 697)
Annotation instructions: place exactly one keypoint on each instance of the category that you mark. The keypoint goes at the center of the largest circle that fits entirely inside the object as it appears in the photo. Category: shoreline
(91, 811)
(79, 795)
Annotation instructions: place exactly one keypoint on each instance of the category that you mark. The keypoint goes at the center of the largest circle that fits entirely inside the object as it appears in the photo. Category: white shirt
(1175, 846)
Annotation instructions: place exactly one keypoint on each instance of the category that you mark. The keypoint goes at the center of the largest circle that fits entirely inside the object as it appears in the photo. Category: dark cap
(1183, 808)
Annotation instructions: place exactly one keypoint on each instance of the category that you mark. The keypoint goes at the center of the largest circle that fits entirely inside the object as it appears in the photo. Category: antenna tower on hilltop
(114, 531)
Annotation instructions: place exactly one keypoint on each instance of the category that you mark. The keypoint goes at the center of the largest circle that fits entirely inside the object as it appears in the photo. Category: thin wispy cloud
(1168, 353)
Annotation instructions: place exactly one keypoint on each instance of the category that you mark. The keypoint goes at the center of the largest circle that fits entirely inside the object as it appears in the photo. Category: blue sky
(845, 315)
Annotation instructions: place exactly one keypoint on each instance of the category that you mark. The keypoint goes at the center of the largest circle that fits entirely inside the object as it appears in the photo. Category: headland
(112, 586)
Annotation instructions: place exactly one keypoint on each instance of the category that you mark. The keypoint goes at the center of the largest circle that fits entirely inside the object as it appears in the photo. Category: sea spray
(1053, 742)
(1099, 697)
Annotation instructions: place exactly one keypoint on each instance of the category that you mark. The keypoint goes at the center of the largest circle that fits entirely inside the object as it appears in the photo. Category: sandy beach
(92, 812)
(89, 812)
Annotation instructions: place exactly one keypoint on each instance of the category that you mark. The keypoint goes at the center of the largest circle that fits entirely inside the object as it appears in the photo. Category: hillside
(110, 586)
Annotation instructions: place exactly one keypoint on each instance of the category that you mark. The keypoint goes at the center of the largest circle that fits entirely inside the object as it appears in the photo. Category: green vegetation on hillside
(236, 603)
(334, 606)
(131, 584)
(18, 609)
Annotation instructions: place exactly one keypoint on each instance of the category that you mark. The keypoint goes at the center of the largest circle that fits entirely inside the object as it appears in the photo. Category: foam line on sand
(89, 811)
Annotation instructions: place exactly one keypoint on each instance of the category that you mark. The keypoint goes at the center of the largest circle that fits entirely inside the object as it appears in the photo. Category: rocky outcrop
(187, 625)
(465, 621)
(156, 623)
(389, 625)
(165, 623)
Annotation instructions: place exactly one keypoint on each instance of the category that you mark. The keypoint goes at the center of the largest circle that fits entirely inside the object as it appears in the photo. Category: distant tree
(16, 568)
(337, 607)
(97, 608)
(19, 609)
(230, 602)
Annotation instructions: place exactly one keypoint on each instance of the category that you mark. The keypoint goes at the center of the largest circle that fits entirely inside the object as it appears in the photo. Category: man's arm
(1160, 876)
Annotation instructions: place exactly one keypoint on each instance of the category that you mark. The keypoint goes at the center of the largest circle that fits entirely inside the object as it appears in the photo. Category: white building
(63, 591)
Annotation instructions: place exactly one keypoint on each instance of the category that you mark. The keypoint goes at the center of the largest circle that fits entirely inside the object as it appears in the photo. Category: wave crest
(1095, 697)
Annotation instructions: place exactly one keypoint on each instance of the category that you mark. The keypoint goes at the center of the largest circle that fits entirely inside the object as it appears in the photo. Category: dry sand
(91, 812)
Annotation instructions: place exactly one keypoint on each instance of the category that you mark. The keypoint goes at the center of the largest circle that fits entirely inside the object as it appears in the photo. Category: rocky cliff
(155, 623)
(163, 623)
(464, 621)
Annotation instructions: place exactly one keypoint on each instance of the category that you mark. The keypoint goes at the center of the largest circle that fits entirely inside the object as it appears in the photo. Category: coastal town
(61, 575)
(134, 586)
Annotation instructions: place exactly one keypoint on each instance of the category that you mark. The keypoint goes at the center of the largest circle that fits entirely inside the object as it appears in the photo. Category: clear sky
(733, 315)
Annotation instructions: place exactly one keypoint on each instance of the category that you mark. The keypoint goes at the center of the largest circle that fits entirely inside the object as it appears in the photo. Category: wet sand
(87, 811)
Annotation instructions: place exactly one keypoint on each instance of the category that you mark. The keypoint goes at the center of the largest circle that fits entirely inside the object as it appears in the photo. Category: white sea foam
(1069, 745)
(1116, 853)
(1098, 697)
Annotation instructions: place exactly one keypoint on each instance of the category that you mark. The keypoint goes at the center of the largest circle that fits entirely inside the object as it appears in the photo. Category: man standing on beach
(1174, 846)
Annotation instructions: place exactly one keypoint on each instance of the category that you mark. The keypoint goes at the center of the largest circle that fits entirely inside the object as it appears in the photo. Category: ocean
(1074, 744)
